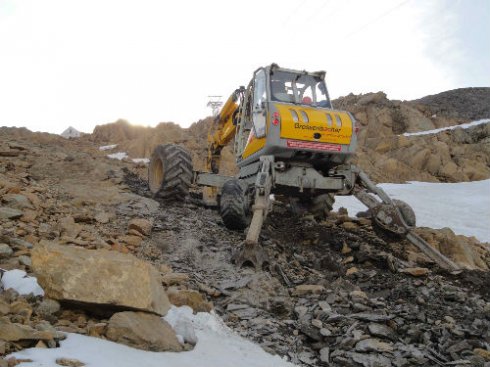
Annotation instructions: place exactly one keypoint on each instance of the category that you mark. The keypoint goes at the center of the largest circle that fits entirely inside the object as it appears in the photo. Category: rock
(5, 251)
(371, 98)
(416, 272)
(485, 354)
(351, 271)
(69, 362)
(98, 277)
(374, 317)
(48, 307)
(143, 226)
(20, 243)
(9, 213)
(325, 332)
(373, 345)
(325, 354)
(102, 217)
(131, 240)
(305, 289)
(4, 307)
(358, 296)
(25, 260)
(190, 298)
(69, 228)
(170, 279)
(143, 331)
(371, 360)
(17, 201)
(324, 305)
(16, 332)
(97, 329)
(317, 323)
(382, 331)
(349, 226)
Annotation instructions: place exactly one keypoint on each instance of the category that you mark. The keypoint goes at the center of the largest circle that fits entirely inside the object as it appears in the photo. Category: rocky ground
(337, 293)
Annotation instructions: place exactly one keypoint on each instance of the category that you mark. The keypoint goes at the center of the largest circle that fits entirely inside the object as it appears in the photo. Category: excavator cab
(288, 113)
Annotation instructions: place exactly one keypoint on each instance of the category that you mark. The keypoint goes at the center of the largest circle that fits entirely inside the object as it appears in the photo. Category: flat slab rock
(143, 331)
(98, 277)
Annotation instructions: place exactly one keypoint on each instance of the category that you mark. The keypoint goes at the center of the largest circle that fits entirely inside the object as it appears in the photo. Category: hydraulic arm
(222, 130)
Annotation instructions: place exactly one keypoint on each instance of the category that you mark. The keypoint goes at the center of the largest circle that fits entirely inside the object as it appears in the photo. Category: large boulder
(143, 331)
(98, 278)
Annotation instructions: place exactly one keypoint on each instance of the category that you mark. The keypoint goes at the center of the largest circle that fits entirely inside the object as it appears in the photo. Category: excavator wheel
(170, 172)
(407, 212)
(234, 206)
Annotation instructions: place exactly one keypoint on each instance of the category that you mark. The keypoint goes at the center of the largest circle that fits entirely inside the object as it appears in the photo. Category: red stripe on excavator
(315, 146)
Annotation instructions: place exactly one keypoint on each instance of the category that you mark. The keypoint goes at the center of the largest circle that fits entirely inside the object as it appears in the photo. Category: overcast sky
(90, 62)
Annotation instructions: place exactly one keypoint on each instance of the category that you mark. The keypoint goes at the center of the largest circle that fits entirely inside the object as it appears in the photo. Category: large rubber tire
(234, 206)
(170, 172)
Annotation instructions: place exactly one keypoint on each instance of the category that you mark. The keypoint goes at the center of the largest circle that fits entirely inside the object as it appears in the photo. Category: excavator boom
(222, 131)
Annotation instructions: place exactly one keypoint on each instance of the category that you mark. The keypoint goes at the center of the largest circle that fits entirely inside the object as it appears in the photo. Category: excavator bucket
(250, 253)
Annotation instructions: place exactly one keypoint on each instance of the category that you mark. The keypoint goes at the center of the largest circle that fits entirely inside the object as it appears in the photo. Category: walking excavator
(291, 145)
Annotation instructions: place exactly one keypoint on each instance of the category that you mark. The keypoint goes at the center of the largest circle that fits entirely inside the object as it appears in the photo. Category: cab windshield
(301, 89)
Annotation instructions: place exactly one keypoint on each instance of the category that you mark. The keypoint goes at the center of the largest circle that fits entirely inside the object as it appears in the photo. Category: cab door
(259, 103)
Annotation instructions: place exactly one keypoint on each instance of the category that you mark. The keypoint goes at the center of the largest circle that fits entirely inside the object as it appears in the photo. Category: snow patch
(462, 126)
(217, 345)
(20, 282)
(71, 132)
(108, 147)
(118, 155)
(141, 160)
(464, 207)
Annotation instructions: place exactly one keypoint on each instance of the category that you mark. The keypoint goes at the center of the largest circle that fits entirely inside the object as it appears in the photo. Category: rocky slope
(384, 153)
(338, 292)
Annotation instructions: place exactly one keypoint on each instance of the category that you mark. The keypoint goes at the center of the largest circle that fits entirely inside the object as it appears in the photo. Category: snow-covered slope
(464, 207)
(217, 346)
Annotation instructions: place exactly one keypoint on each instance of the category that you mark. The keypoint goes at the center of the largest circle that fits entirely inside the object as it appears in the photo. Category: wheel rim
(156, 175)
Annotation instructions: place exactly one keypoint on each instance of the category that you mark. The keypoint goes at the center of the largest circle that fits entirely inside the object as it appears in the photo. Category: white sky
(83, 63)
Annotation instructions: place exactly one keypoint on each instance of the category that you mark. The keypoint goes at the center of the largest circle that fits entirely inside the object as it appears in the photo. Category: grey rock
(48, 307)
(371, 360)
(373, 345)
(5, 251)
(325, 332)
(20, 243)
(17, 201)
(325, 306)
(325, 354)
(10, 213)
(381, 331)
(317, 323)
(374, 317)
(300, 311)
(25, 260)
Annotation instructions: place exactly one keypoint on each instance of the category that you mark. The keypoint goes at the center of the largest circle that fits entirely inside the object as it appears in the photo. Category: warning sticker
(314, 146)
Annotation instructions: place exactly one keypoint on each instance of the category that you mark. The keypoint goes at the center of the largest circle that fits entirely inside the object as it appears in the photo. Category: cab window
(259, 101)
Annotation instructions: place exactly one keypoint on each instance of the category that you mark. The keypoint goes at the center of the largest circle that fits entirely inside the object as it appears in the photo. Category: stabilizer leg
(387, 215)
(251, 251)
